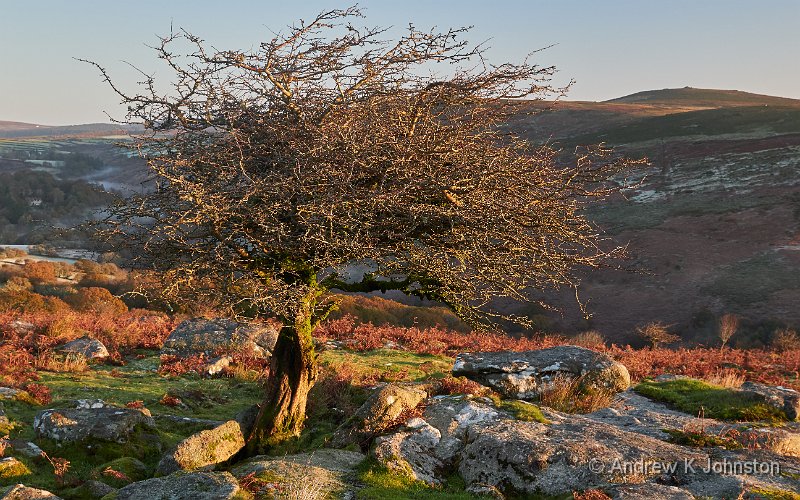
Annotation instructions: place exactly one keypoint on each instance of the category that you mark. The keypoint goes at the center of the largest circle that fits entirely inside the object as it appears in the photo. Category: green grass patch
(383, 484)
(213, 399)
(390, 364)
(697, 397)
(770, 494)
(521, 410)
(702, 440)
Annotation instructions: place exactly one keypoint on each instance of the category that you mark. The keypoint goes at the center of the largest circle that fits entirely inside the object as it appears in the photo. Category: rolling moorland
(711, 229)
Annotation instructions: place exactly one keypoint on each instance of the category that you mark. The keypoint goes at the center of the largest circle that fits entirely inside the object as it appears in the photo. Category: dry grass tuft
(573, 395)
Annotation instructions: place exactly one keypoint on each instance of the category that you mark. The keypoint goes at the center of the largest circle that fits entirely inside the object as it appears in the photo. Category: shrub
(785, 339)
(40, 271)
(728, 324)
(657, 333)
(573, 395)
(95, 299)
(590, 339)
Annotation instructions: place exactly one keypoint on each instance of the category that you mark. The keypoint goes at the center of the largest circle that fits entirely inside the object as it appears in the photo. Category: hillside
(703, 98)
(714, 226)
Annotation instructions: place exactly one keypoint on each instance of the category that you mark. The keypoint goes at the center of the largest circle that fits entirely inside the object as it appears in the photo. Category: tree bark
(293, 371)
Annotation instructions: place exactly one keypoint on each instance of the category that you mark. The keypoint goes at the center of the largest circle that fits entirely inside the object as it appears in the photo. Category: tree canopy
(332, 157)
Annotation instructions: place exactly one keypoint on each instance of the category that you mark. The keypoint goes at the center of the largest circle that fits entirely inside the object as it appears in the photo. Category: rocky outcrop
(22, 492)
(213, 337)
(90, 490)
(524, 375)
(784, 399)
(322, 472)
(91, 423)
(381, 410)
(205, 449)
(85, 346)
(183, 486)
(496, 454)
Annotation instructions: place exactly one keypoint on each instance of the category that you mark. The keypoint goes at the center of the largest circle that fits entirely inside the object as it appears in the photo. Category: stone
(381, 410)
(85, 346)
(782, 398)
(5, 423)
(22, 492)
(452, 416)
(183, 486)
(648, 491)
(122, 471)
(412, 452)
(321, 472)
(214, 337)
(524, 375)
(81, 424)
(573, 455)
(10, 468)
(218, 364)
(8, 393)
(205, 449)
(25, 448)
(90, 489)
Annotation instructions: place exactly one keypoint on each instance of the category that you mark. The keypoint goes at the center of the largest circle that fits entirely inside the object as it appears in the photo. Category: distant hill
(714, 227)
(704, 98)
(21, 130)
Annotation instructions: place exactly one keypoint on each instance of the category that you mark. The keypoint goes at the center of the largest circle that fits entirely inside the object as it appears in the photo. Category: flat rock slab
(213, 337)
(85, 346)
(524, 375)
(321, 472)
(183, 486)
(22, 492)
(81, 424)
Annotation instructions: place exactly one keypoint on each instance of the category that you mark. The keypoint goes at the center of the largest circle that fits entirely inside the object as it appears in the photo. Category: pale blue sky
(610, 47)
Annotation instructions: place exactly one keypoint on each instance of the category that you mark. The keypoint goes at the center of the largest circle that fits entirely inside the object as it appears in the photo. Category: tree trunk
(293, 371)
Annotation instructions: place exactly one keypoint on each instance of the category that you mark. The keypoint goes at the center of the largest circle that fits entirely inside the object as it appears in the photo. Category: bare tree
(728, 324)
(330, 158)
(657, 333)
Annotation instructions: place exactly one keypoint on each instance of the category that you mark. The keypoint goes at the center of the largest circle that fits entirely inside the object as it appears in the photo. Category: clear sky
(610, 47)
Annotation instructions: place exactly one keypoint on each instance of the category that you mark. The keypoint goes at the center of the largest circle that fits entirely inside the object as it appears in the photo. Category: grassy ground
(701, 398)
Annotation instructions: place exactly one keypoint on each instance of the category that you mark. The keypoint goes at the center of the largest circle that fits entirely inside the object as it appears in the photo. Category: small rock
(122, 471)
(25, 448)
(86, 346)
(8, 393)
(80, 424)
(379, 411)
(4, 421)
(183, 486)
(669, 377)
(648, 491)
(22, 327)
(22, 492)
(215, 336)
(10, 467)
(205, 449)
(218, 364)
(523, 375)
(782, 398)
(412, 453)
(90, 489)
